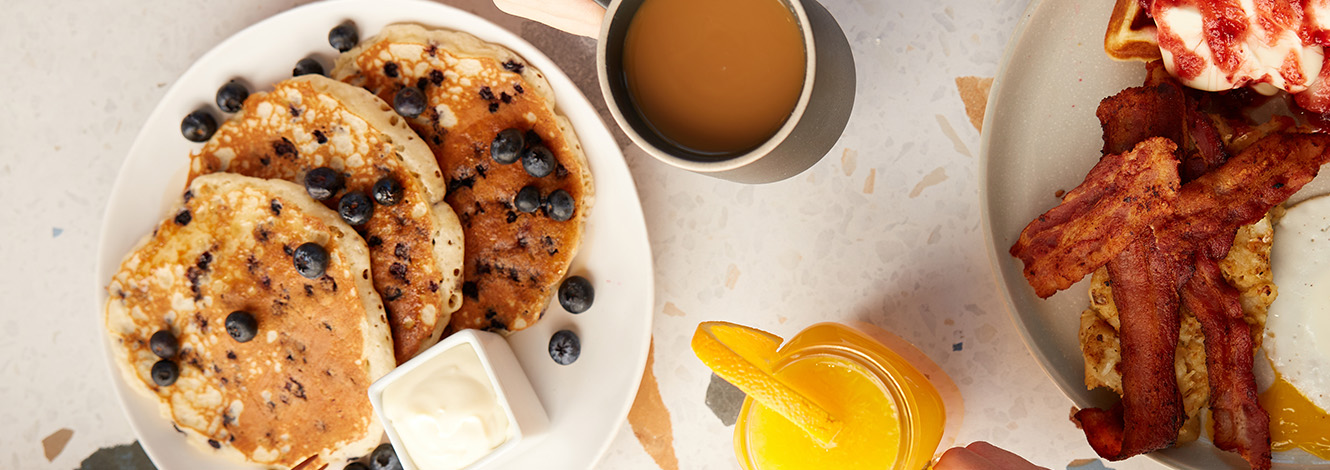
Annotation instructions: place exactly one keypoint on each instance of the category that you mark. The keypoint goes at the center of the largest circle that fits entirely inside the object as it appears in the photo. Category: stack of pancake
(375, 294)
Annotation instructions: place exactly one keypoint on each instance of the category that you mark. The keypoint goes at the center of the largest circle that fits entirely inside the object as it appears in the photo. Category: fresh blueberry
(565, 347)
(576, 294)
(355, 208)
(164, 372)
(311, 260)
(384, 458)
(344, 36)
(559, 205)
(231, 96)
(183, 217)
(164, 344)
(387, 191)
(507, 146)
(527, 199)
(242, 326)
(409, 102)
(198, 126)
(356, 466)
(538, 161)
(307, 66)
(322, 183)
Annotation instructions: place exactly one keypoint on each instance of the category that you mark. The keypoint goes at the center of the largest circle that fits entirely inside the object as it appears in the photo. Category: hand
(981, 455)
(580, 17)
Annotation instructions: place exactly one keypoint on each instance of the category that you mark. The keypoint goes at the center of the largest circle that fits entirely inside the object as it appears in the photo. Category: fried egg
(1297, 334)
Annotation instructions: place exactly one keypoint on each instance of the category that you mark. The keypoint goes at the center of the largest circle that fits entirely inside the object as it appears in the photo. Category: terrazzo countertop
(884, 230)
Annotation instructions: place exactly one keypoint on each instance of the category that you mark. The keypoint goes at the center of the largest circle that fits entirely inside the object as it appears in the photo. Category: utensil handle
(580, 17)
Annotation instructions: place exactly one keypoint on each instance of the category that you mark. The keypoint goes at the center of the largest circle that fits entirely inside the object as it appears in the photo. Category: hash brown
(1246, 268)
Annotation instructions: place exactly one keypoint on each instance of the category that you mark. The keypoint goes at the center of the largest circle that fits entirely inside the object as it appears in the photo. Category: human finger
(1000, 457)
(960, 458)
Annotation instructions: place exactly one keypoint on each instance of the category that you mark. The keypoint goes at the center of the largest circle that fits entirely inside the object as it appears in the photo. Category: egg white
(1297, 333)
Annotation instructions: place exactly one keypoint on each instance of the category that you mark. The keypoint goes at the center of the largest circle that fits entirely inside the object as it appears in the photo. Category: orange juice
(714, 76)
(893, 417)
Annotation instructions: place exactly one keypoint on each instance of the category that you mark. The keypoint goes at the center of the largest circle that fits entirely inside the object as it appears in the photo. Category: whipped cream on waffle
(1217, 45)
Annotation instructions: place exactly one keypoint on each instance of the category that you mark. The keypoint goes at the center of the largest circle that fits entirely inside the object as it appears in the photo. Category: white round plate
(1041, 136)
(587, 401)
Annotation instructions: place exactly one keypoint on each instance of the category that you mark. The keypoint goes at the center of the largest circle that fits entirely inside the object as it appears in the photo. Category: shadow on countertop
(121, 457)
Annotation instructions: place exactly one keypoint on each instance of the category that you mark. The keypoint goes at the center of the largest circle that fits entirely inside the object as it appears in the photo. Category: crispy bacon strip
(1145, 289)
(1240, 423)
(1139, 113)
(1244, 188)
(1236, 193)
(1162, 107)
(1146, 279)
(1103, 429)
(1118, 201)
(1177, 263)
(1205, 150)
(1150, 411)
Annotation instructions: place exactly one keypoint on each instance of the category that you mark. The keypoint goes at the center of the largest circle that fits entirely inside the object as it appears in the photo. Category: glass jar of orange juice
(893, 417)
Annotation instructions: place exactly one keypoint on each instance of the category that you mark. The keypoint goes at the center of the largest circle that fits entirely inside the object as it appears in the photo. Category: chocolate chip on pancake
(294, 391)
(340, 141)
(514, 259)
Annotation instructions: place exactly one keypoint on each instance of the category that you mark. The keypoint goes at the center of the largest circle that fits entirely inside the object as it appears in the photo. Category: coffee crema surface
(715, 77)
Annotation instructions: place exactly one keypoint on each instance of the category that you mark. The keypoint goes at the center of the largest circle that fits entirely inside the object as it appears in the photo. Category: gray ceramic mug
(814, 126)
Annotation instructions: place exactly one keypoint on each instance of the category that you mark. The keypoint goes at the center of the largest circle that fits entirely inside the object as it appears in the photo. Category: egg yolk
(1294, 421)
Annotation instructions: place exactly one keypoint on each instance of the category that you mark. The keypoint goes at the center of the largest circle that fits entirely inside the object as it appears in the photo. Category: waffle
(1131, 33)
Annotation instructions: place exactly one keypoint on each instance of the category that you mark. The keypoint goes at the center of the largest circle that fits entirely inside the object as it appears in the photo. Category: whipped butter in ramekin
(461, 404)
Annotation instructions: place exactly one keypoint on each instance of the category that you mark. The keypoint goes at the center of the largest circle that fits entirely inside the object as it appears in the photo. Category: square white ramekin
(526, 416)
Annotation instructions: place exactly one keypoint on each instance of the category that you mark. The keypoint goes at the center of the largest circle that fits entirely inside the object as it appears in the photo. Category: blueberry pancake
(249, 314)
(491, 121)
(377, 173)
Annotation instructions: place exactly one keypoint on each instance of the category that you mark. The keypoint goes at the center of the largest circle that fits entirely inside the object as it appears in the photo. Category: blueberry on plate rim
(311, 260)
(322, 183)
(355, 208)
(538, 161)
(576, 294)
(242, 326)
(164, 373)
(163, 344)
(409, 102)
(307, 66)
(387, 191)
(231, 96)
(527, 199)
(344, 36)
(565, 348)
(559, 205)
(507, 146)
(198, 126)
(384, 457)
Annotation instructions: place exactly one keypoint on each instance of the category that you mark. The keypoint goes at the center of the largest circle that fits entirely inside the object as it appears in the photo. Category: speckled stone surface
(884, 230)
